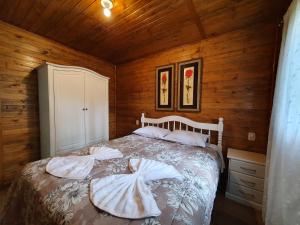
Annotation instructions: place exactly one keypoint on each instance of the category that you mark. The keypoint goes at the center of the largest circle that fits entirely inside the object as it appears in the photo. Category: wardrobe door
(96, 114)
(69, 109)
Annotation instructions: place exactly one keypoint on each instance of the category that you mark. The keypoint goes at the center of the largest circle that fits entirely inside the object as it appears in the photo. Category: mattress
(37, 197)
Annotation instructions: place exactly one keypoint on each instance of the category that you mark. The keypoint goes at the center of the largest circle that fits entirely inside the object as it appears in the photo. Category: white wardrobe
(73, 104)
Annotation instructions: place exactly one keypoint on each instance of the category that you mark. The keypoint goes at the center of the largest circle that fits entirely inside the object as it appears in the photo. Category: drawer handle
(248, 170)
(247, 194)
(248, 183)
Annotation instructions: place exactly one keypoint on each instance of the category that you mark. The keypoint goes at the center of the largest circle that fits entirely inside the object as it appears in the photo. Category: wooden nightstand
(246, 177)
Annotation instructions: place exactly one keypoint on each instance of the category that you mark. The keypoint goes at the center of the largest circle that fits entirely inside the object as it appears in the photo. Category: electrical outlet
(251, 136)
(137, 122)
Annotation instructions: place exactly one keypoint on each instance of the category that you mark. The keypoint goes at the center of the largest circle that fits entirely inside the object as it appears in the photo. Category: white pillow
(152, 132)
(187, 138)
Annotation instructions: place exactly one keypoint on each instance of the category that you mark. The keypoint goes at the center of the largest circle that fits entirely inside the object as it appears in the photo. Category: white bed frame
(171, 122)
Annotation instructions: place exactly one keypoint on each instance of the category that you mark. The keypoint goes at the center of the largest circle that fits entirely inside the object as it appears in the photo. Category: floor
(226, 212)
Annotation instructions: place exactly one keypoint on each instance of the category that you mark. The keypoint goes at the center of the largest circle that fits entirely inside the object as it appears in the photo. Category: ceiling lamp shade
(107, 6)
(107, 12)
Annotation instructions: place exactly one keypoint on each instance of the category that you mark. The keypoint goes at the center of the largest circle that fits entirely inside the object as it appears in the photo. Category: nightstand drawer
(245, 180)
(247, 168)
(245, 193)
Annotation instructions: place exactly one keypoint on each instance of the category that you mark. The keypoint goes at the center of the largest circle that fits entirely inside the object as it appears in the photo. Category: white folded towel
(72, 167)
(78, 167)
(105, 153)
(127, 195)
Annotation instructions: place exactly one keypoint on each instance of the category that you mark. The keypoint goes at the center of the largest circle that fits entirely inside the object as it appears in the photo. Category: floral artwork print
(189, 85)
(164, 87)
(188, 75)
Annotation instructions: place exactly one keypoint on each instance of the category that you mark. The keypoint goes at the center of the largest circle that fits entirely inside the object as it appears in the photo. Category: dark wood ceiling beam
(196, 17)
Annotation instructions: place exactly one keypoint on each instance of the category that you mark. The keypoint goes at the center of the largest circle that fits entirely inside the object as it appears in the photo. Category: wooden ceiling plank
(73, 26)
(22, 10)
(2, 3)
(94, 12)
(71, 16)
(100, 34)
(203, 7)
(119, 9)
(7, 8)
(125, 10)
(85, 29)
(118, 14)
(35, 12)
(148, 25)
(50, 11)
(196, 18)
(235, 6)
(163, 43)
(67, 7)
(236, 16)
(145, 35)
(135, 12)
(137, 20)
(107, 32)
(13, 7)
(163, 16)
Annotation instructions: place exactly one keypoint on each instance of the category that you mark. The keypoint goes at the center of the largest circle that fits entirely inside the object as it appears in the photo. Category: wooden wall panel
(21, 53)
(236, 84)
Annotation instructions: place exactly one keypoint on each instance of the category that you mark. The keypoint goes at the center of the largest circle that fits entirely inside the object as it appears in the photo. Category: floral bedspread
(40, 198)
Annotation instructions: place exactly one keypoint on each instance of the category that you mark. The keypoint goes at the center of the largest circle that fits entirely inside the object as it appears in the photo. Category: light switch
(137, 122)
(251, 136)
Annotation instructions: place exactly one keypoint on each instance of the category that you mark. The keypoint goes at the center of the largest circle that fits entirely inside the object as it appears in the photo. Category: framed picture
(189, 79)
(165, 88)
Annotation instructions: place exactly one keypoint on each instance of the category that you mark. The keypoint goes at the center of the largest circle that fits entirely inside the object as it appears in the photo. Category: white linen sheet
(127, 195)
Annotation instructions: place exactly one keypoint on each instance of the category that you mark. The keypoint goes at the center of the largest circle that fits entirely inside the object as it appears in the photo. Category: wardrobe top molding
(78, 68)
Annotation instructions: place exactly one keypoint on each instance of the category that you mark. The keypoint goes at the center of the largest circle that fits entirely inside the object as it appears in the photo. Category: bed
(40, 198)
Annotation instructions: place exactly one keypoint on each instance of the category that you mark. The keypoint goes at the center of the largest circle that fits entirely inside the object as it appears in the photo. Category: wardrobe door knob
(86, 108)
(83, 109)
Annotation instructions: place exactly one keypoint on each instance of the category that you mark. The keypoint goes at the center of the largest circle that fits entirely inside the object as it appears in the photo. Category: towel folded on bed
(71, 167)
(105, 153)
(78, 167)
(127, 195)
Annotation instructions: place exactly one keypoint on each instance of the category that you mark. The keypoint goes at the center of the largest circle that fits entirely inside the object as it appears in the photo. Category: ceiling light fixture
(107, 6)
(107, 12)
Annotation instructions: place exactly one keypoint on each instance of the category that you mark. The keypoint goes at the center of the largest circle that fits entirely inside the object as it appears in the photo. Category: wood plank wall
(236, 84)
(20, 53)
